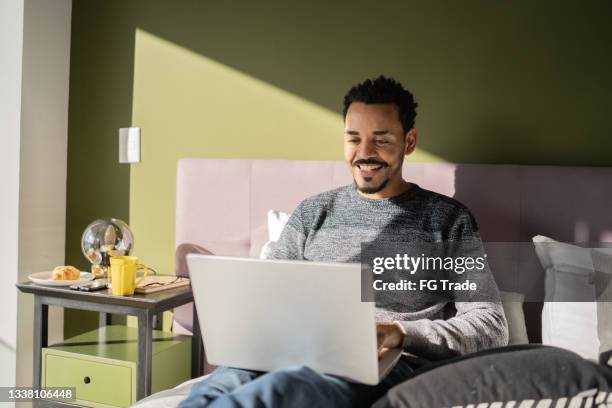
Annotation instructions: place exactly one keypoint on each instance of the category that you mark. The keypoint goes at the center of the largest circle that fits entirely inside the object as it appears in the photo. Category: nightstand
(144, 307)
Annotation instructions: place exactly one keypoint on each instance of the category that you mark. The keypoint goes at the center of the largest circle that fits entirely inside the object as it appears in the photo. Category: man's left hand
(390, 335)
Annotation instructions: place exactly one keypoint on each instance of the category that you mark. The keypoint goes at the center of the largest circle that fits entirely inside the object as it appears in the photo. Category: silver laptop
(272, 314)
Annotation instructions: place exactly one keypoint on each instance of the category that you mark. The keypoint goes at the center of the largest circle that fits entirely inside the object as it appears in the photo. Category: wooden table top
(144, 301)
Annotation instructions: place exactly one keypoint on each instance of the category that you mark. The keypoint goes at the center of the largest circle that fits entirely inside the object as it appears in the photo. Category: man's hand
(390, 335)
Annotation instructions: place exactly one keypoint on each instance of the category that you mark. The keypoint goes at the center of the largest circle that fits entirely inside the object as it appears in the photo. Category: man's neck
(392, 189)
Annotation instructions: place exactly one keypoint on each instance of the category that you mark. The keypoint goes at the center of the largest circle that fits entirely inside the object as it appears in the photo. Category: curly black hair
(384, 90)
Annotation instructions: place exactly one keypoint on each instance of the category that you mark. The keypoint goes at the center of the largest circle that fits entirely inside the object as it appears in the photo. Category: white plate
(44, 278)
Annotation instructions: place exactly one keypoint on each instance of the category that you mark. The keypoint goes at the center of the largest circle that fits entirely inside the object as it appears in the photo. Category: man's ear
(411, 139)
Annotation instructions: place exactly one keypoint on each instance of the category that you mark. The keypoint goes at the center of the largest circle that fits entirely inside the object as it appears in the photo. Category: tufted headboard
(222, 204)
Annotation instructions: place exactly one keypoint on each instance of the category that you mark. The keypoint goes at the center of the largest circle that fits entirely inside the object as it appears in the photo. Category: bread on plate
(65, 272)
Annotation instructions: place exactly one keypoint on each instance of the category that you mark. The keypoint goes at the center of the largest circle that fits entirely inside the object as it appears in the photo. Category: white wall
(44, 144)
(11, 19)
(34, 75)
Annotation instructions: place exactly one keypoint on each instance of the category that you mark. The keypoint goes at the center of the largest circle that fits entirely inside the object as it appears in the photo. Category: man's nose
(367, 150)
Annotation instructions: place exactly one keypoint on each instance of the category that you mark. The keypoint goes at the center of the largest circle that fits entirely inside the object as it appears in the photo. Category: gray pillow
(602, 263)
(513, 376)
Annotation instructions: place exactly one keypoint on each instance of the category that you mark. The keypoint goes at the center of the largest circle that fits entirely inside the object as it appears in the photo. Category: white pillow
(276, 224)
(559, 255)
(266, 250)
(513, 309)
(570, 325)
(573, 326)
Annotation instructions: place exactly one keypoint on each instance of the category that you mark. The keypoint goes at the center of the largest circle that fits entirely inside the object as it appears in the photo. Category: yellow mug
(123, 274)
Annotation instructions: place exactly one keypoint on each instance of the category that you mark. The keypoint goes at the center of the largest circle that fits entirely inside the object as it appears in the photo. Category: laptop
(266, 315)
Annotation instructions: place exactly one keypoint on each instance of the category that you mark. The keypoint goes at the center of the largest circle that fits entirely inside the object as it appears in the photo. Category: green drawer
(95, 381)
(102, 363)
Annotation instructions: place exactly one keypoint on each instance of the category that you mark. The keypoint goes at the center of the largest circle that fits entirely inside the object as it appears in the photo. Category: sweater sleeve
(476, 326)
(479, 323)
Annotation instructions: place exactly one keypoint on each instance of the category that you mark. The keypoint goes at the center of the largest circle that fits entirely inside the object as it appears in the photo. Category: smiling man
(375, 144)
(380, 206)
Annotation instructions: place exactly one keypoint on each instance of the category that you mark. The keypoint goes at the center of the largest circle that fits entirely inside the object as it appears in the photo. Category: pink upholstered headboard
(222, 204)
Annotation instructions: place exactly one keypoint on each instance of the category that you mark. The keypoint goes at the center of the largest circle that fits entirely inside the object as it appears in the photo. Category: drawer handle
(86, 380)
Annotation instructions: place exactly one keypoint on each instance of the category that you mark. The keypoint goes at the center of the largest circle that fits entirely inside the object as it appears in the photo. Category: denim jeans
(295, 387)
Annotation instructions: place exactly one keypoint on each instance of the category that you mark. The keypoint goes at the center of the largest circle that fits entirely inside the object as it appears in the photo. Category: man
(379, 131)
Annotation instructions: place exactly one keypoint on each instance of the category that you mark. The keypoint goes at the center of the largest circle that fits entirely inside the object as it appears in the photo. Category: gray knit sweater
(331, 226)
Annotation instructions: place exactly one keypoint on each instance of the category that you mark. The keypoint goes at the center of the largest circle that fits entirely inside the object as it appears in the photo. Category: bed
(222, 206)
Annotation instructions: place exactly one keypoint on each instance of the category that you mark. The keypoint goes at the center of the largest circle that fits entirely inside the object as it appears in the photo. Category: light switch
(129, 145)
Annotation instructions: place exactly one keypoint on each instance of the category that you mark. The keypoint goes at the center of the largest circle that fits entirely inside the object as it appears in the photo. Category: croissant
(66, 272)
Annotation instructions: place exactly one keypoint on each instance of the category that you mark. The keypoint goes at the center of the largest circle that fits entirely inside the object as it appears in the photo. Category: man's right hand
(390, 335)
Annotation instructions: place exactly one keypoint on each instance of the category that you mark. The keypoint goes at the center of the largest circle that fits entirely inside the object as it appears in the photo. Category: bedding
(602, 263)
(521, 201)
(570, 275)
(514, 376)
(493, 378)
(168, 398)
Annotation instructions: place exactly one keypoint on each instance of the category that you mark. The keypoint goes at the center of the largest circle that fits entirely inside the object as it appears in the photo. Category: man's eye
(382, 142)
(352, 140)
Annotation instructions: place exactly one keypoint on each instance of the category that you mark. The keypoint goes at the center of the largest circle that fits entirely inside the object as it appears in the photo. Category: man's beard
(372, 190)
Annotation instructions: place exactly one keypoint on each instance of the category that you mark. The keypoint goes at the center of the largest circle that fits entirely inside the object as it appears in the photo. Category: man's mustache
(370, 161)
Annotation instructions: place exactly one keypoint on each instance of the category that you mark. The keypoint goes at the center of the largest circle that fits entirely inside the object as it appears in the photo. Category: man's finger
(380, 338)
(382, 351)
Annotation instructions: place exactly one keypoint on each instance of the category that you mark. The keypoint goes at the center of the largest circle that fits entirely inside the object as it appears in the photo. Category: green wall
(496, 83)
(100, 102)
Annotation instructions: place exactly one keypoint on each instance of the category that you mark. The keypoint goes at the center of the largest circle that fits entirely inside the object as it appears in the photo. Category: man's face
(375, 145)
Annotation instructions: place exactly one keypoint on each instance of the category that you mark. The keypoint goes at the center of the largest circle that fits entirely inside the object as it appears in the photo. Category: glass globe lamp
(104, 238)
